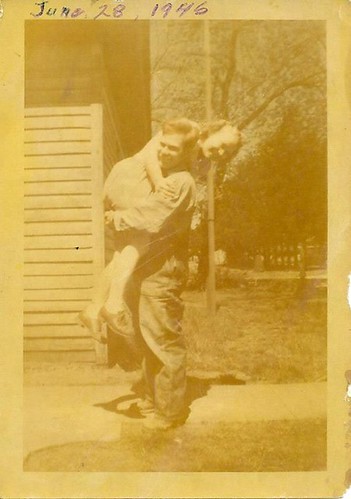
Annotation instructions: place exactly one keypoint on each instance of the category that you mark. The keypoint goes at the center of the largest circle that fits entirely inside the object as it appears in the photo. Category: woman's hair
(215, 126)
(183, 126)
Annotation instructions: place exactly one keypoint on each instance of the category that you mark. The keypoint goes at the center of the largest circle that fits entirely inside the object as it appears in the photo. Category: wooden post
(211, 278)
(98, 212)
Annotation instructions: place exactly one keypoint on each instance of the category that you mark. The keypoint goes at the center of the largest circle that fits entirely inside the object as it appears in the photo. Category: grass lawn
(252, 446)
(271, 332)
(274, 332)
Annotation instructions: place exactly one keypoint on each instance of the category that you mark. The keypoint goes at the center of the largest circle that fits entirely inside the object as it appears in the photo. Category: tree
(269, 77)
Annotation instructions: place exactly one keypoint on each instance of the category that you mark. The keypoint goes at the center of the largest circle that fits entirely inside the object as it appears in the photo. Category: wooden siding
(63, 227)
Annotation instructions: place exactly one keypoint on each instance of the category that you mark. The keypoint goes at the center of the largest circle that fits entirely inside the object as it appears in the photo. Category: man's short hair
(189, 129)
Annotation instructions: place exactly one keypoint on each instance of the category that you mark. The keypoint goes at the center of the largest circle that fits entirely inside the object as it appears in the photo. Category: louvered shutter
(64, 231)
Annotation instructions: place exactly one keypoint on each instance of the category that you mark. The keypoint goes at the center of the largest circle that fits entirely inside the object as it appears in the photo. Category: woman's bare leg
(102, 288)
(123, 267)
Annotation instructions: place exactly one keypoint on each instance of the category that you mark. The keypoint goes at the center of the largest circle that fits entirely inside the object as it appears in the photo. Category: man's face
(221, 145)
(171, 150)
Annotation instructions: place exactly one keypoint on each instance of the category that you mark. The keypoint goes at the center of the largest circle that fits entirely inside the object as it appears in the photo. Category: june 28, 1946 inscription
(117, 10)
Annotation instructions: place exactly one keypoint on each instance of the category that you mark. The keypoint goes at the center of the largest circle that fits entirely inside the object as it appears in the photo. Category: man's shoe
(92, 324)
(156, 423)
(145, 407)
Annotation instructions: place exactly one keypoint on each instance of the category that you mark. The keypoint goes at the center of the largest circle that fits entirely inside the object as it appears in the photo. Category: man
(162, 276)
(130, 181)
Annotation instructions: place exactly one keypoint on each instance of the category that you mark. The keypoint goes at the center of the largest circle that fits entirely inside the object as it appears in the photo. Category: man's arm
(153, 214)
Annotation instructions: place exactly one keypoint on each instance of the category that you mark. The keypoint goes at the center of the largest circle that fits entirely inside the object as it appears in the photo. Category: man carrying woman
(152, 244)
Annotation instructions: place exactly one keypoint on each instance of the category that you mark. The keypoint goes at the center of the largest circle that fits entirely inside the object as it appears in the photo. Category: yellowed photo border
(16, 483)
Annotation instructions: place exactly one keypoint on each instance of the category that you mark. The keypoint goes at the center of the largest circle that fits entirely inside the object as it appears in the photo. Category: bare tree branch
(259, 109)
(230, 74)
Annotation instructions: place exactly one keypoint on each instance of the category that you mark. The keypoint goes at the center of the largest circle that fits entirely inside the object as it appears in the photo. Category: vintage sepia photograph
(175, 245)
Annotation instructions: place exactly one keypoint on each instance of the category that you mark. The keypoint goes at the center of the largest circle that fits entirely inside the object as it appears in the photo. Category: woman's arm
(149, 155)
(154, 173)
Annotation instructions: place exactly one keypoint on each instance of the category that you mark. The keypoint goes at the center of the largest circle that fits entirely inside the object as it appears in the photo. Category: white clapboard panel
(58, 268)
(62, 253)
(55, 306)
(59, 174)
(62, 188)
(58, 242)
(49, 122)
(58, 201)
(54, 331)
(58, 255)
(57, 228)
(52, 215)
(49, 148)
(58, 161)
(57, 356)
(59, 344)
(58, 111)
(57, 134)
(58, 282)
(58, 294)
(50, 318)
